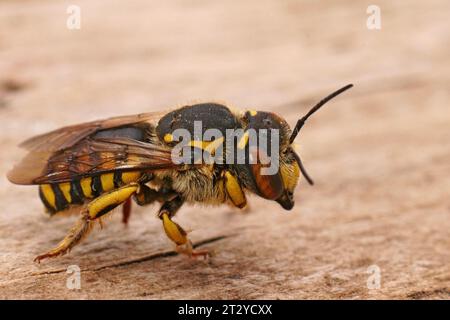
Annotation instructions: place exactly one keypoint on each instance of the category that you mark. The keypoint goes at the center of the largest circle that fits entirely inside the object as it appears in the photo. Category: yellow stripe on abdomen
(65, 188)
(107, 181)
(48, 195)
(58, 197)
(85, 184)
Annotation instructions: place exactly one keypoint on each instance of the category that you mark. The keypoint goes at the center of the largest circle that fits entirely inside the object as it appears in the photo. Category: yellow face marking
(65, 188)
(234, 190)
(86, 187)
(168, 137)
(243, 141)
(173, 230)
(49, 195)
(290, 174)
(110, 200)
(128, 177)
(107, 181)
(252, 112)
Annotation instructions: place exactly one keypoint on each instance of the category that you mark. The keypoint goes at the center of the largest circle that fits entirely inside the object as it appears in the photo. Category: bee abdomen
(59, 196)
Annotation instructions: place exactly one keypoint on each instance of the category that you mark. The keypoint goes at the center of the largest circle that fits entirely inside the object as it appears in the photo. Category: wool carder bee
(97, 166)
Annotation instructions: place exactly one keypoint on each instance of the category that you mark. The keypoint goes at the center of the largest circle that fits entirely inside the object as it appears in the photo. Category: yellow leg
(94, 210)
(175, 232)
(75, 235)
(108, 201)
(234, 190)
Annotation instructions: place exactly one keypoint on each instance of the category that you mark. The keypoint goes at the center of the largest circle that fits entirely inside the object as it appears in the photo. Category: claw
(74, 236)
(189, 250)
(50, 254)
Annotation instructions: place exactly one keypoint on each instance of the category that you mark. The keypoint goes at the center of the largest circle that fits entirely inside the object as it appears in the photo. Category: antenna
(302, 121)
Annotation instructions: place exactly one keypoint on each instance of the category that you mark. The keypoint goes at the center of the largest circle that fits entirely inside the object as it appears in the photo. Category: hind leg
(94, 210)
(126, 211)
(75, 235)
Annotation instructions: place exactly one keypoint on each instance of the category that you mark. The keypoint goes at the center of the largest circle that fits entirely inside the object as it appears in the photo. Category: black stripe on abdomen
(60, 201)
(96, 186)
(117, 179)
(76, 193)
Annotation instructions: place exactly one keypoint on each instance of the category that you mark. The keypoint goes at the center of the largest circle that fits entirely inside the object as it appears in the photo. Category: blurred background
(379, 154)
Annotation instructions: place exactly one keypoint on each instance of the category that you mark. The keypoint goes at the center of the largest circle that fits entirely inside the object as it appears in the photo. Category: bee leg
(93, 210)
(146, 195)
(234, 190)
(126, 211)
(174, 231)
(75, 235)
(171, 203)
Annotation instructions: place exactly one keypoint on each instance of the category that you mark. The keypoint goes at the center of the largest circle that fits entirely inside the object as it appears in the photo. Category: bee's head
(290, 164)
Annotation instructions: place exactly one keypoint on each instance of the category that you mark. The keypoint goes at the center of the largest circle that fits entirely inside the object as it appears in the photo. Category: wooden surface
(380, 154)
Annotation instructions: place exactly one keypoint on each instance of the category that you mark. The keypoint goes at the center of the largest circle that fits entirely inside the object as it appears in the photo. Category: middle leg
(174, 231)
(171, 202)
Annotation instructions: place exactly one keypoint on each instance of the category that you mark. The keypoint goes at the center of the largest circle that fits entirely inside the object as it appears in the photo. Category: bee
(96, 166)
